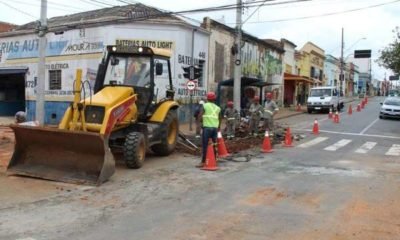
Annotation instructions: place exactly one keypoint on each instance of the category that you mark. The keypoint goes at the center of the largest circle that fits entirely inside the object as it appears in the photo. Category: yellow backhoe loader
(125, 111)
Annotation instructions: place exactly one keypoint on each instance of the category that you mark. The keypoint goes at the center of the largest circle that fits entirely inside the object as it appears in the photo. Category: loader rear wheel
(134, 150)
(169, 134)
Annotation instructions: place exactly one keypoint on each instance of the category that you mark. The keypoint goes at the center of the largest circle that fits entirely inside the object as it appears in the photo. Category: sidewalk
(282, 114)
(5, 121)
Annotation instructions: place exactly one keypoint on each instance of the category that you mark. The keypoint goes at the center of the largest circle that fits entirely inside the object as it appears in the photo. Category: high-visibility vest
(211, 115)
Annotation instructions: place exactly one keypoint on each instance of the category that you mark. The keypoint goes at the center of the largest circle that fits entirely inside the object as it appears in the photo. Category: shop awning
(247, 81)
(292, 77)
(13, 70)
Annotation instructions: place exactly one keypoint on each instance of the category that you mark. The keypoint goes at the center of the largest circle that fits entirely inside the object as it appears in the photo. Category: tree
(390, 55)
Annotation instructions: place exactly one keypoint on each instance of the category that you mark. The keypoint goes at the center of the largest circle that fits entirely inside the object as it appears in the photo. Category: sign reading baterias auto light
(191, 85)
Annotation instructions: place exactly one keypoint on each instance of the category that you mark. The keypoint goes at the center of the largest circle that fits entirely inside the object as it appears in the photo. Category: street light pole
(341, 76)
(238, 69)
(40, 87)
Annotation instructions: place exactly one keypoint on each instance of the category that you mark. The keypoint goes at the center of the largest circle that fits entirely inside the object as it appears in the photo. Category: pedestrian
(198, 118)
(256, 112)
(270, 109)
(231, 116)
(211, 117)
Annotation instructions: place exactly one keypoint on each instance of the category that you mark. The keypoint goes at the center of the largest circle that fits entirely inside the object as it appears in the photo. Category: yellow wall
(304, 64)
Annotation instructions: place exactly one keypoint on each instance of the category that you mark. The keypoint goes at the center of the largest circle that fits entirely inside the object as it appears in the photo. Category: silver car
(390, 108)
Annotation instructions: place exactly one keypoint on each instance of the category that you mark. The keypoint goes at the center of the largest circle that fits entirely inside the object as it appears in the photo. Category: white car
(390, 108)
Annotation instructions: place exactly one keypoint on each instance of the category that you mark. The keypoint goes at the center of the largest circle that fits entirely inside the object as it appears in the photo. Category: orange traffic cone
(315, 129)
(366, 100)
(266, 147)
(350, 110)
(336, 118)
(358, 108)
(222, 152)
(288, 138)
(330, 113)
(298, 107)
(362, 104)
(211, 163)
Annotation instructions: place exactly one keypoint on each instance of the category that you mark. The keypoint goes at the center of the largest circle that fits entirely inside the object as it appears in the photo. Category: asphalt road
(341, 184)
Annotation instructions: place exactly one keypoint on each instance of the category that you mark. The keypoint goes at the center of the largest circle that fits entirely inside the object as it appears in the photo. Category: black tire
(309, 110)
(381, 117)
(134, 150)
(169, 134)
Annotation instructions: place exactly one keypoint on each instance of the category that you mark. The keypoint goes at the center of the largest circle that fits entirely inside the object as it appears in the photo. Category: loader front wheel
(134, 150)
(169, 134)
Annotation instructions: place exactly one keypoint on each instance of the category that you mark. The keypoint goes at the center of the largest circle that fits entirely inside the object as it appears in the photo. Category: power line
(18, 10)
(104, 3)
(325, 14)
(38, 5)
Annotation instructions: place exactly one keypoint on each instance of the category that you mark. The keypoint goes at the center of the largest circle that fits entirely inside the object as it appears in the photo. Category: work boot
(200, 165)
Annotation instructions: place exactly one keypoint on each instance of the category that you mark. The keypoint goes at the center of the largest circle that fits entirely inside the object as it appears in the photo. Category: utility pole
(341, 77)
(191, 92)
(40, 87)
(238, 68)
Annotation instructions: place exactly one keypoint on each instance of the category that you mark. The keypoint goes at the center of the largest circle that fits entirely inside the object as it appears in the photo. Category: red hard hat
(211, 96)
(268, 95)
(256, 98)
(230, 104)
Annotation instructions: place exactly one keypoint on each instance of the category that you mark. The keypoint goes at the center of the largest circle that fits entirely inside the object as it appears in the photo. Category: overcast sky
(359, 18)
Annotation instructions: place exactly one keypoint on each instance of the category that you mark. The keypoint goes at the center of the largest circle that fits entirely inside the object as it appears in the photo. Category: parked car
(390, 108)
(323, 99)
(394, 93)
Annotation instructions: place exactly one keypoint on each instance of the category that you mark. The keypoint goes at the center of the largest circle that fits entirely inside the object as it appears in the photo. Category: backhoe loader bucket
(61, 155)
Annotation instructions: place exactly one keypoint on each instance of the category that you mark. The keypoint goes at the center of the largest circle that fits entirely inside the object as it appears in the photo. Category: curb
(290, 115)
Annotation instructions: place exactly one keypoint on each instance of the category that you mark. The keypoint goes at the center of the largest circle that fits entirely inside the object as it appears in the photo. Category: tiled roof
(120, 14)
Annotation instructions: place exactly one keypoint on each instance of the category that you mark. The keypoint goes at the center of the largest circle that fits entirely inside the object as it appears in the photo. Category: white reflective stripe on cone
(219, 135)
(266, 134)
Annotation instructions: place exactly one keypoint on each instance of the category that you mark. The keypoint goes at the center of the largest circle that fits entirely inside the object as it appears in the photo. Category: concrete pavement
(293, 193)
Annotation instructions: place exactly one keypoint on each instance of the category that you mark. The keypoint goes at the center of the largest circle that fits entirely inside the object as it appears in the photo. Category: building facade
(313, 63)
(332, 70)
(79, 40)
(5, 27)
(260, 61)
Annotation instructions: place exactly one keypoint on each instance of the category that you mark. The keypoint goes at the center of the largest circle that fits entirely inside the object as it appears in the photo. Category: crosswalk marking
(338, 145)
(366, 147)
(312, 142)
(394, 150)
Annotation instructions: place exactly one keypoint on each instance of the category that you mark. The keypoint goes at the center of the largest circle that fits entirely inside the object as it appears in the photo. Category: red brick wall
(5, 27)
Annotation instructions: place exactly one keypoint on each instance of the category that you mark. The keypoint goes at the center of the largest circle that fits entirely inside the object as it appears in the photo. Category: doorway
(12, 93)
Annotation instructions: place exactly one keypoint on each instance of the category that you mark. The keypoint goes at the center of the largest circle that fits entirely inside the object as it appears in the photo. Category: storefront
(296, 89)
(12, 90)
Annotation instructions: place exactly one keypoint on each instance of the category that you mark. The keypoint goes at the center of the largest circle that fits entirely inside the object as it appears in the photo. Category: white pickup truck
(323, 99)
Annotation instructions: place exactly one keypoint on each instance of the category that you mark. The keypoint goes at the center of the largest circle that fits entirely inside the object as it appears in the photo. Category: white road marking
(312, 142)
(366, 147)
(338, 145)
(369, 126)
(394, 150)
(350, 134)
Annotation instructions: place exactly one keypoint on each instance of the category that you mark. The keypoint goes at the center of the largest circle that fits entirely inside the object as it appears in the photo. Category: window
(54, 79)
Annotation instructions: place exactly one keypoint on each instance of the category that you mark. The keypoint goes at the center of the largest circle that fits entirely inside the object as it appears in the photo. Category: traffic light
(198, 72)
(192, 72)
(189, 72)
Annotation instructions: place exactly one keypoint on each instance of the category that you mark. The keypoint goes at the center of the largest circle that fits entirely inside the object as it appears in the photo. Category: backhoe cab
(132, 109)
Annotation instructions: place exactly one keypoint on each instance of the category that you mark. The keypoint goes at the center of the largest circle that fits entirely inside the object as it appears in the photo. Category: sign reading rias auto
(145, 43)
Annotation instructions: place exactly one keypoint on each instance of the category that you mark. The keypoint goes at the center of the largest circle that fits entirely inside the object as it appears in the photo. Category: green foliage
(390, 55)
